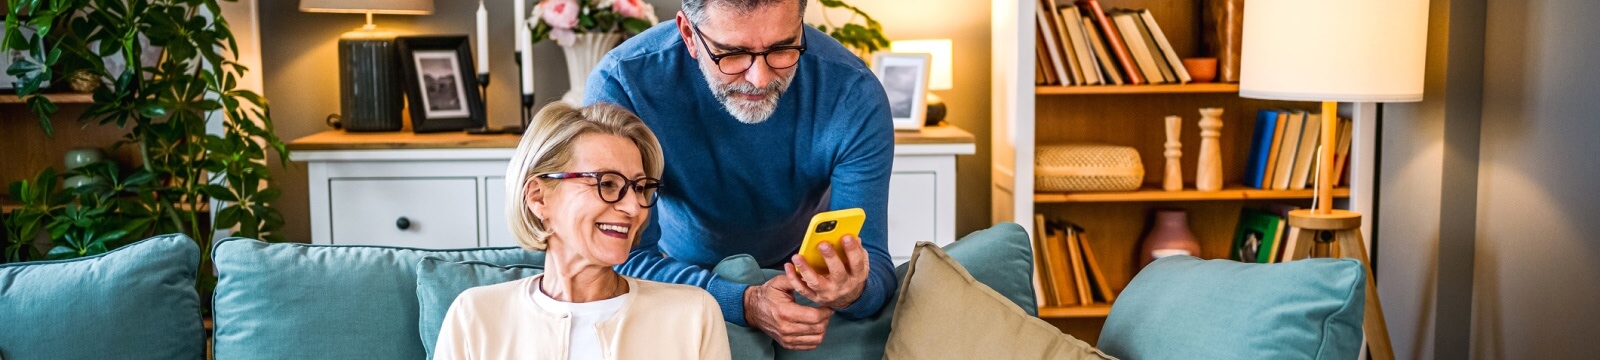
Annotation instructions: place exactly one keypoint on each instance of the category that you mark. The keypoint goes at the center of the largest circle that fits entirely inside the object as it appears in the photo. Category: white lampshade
(1327, 50)
(940, 49)
(396, 7)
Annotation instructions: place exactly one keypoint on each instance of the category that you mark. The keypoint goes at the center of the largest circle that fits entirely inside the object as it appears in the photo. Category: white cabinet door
(431, 213)
(913, 212)
(495, 212)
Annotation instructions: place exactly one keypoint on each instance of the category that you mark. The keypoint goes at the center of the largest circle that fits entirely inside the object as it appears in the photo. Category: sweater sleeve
(861, 179)
(452, 336)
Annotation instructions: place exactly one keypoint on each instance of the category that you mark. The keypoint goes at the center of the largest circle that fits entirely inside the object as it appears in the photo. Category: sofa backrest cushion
(440, 281)
(300, 301)
(134, 302)
(1180, 307)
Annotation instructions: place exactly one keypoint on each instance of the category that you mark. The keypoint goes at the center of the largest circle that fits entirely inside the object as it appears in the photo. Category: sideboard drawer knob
(403, 223)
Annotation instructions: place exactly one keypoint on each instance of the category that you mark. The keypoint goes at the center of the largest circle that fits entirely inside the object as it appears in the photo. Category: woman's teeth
(614, 228)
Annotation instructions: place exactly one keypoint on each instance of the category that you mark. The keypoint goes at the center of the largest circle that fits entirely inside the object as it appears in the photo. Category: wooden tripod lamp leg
(1376, 328)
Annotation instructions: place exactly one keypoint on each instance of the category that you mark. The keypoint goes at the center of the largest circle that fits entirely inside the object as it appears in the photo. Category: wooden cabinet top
(341, 140)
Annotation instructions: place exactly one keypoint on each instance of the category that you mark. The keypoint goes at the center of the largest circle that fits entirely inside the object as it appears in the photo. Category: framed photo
(9, 83)
(905, 79)
(440, 85)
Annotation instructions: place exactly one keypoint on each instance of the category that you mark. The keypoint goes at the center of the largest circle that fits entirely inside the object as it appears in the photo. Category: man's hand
(771, 308)
(847, 274)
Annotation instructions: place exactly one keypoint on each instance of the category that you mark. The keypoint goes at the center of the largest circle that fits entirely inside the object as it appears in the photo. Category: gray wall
(1534, 276)
(299, 58)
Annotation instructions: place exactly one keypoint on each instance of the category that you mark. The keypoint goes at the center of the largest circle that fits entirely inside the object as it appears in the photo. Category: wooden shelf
(6, 204)
(1069, 312)
(1206, 88)
(1153, 192)
(59, 98)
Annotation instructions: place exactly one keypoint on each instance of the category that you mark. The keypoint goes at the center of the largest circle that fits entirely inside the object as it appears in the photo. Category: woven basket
(1087, 167)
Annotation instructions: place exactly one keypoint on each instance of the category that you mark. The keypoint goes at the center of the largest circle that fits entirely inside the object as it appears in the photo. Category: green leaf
(152, 110)
(61, 252)
(220, 192)
(228, 217)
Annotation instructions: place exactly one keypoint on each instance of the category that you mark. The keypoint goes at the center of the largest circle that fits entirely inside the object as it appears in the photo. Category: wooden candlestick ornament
(1174, 176)
(1208, 174)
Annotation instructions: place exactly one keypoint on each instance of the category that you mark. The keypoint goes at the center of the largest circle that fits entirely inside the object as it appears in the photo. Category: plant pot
(584, 53)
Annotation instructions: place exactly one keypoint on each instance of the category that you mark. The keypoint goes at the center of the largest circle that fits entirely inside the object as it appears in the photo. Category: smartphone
(830, 227)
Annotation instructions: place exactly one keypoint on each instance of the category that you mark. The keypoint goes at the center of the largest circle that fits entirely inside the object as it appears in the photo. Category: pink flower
(631, 8)
(560, 14)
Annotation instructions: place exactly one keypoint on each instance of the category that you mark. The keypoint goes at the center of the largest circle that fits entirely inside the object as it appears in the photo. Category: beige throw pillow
(943, 313)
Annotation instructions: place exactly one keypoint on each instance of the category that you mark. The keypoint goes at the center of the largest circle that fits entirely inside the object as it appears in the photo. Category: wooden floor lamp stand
(1337, 233)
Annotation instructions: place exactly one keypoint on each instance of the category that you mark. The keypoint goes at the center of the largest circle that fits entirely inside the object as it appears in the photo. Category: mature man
(764, 122)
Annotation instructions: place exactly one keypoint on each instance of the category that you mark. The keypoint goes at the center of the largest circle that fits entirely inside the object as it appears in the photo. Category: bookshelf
(59, 98)
(1025, 115)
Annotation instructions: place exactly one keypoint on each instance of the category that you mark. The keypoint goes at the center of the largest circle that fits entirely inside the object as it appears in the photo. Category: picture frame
(440, 85)
(905, 80)
(8, 83)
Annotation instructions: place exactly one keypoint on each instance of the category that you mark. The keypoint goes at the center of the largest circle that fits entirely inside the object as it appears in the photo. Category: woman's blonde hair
(546, 147)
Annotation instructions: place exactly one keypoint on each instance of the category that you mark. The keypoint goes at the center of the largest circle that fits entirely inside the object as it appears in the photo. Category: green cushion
(134, 302)
(439, 281)
(299, 301)
(1181, 307)
(1000, 257)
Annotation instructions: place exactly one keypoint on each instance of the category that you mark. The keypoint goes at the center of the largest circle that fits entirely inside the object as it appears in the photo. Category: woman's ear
(533, 198)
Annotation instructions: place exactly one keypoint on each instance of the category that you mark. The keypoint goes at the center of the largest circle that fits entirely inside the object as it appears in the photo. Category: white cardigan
(659, 321)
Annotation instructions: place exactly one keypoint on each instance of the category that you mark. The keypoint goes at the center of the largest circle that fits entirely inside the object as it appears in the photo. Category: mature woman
(581, 186)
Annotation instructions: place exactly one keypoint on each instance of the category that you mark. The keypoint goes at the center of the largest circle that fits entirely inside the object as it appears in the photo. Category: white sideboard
(445, 191)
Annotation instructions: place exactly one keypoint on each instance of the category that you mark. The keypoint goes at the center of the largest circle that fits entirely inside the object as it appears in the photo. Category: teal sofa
(299, 301)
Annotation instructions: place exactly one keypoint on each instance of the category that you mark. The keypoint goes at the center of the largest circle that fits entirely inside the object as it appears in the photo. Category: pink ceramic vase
(1169, 235)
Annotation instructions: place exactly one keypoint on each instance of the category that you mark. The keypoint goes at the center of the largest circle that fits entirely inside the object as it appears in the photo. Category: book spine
(1166, 46)
(1114, 39)
(1108, 67)
(1150, 47)
(1050, 41)
(1136, 47)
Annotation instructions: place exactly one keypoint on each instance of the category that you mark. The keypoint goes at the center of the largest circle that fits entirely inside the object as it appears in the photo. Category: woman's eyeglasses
(612, 185)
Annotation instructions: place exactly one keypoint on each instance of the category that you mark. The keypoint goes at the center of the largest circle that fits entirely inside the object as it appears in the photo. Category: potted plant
(168, 69)
(864, 37)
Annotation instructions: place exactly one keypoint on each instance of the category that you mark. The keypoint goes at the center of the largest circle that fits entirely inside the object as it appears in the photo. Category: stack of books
(1284, 147)
(1081, 44)
(1065, 270)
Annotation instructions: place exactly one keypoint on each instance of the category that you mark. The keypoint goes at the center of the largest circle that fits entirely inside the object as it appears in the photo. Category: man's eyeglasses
(735, 63)
(612, 186)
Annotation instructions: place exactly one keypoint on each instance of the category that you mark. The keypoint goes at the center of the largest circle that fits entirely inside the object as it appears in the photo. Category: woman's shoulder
(493, 293)
(672, 294)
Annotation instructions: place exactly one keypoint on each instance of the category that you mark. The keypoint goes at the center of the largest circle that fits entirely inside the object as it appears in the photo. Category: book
(1141, 53)
(1341, 153)
(1272, 153)
(1080, 280)
(1043, 58)
(1310, 140)
(1255, 239)
(1097, 278)
(1057, 62)
(1113, 41)
(1287, 150)
(1063, 275)
(1260, 144)
(1166, 47)
(1044, 288)
(1064, 41)
(1286, 245)
(1068, 16)
(1146, 37)
(1106, 64)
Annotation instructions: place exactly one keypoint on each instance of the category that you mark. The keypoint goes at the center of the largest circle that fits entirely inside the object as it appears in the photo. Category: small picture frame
(8, 83)
(905, 80)
(440, 88)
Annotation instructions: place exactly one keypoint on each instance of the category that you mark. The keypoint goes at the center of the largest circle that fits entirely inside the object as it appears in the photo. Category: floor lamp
(1332, 51)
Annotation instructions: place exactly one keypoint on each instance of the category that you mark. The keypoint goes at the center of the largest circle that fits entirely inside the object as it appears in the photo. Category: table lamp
(940, 71)
(1331, 51)
(369, 81)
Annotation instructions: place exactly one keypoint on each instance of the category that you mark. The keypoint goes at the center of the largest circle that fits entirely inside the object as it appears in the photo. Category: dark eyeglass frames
(735, 63)
(612, 186)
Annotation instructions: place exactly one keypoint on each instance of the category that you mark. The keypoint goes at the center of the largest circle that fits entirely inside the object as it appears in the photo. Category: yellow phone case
(830, 227)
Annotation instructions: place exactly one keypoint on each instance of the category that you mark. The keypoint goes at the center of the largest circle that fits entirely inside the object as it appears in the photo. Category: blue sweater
(732, 188)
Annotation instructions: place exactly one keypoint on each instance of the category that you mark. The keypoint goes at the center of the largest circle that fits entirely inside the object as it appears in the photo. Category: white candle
(527, 68)
(521, 24)
(483, 39)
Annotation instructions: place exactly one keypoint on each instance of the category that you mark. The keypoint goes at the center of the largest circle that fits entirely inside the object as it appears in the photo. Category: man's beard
(732, 95)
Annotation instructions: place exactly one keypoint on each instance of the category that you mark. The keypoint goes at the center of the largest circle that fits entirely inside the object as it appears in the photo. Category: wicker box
(1087, 167)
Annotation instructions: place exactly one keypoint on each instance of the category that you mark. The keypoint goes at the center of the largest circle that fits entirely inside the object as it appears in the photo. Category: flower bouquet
(586, 30)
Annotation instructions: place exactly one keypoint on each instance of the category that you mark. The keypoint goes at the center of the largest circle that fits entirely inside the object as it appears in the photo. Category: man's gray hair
(696, 9)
